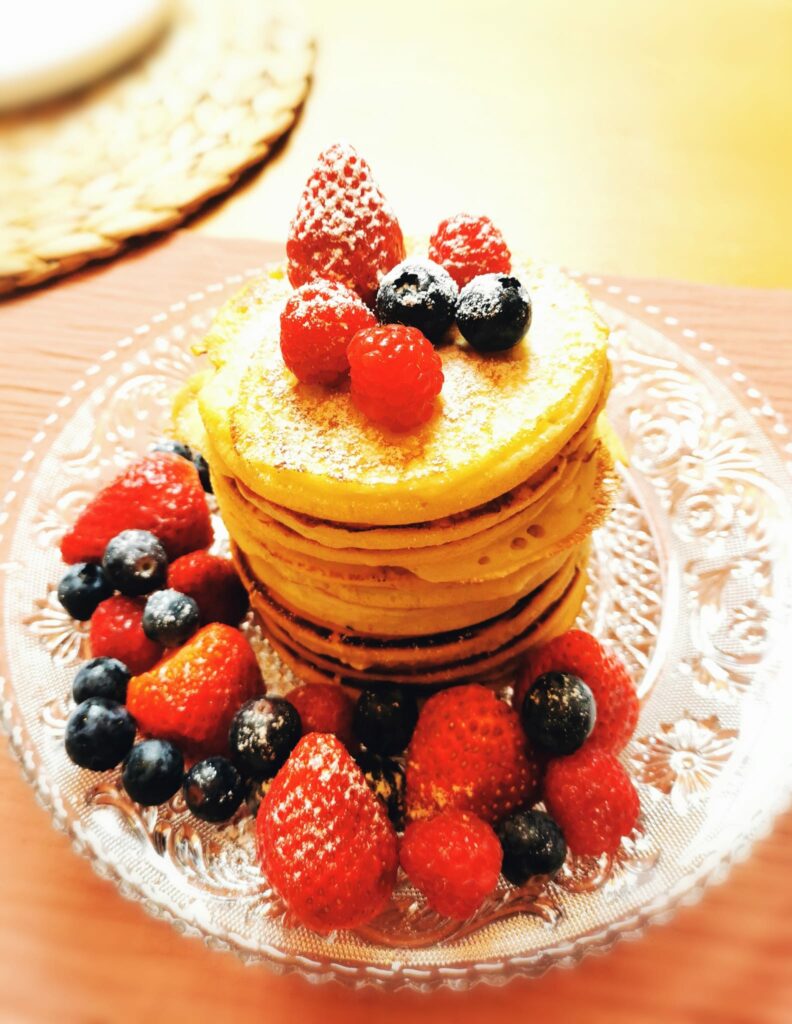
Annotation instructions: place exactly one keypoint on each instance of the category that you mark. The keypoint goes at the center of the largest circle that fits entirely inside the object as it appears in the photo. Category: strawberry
(344, 229)
(324, 707)
(603, 672)
(117, 632)
(191, 697)
(212, 582)
(468, 751)
(454, 859)
(160, 493)
(325, 841)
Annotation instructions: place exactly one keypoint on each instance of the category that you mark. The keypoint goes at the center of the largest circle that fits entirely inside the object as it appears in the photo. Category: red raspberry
(324, 707)
(212, 582)
(117, 632)
(468, 246)
(344, 228)
(468, 751)
(603, 672)
(324, 839)
(593, 800)
(316, 326)
(454, 859)
(396, 376)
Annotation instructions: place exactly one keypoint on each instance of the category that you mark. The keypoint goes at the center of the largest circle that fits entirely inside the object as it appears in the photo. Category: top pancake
(499, 420)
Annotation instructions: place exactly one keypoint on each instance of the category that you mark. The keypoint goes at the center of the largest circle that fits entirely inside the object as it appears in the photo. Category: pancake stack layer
(434, 557)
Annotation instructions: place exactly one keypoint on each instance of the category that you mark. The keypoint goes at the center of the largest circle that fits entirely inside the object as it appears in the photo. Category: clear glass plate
(691, 581)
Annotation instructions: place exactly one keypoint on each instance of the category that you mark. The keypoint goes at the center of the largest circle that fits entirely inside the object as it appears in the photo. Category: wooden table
(72, 950)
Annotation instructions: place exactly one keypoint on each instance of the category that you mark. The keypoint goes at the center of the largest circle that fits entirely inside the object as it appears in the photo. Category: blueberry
(558, 713)
(202, 466)
(493, 312)
(387, 781)
(101, 677)
(532, 845)
(83, 587)
(170, 618)
(153, 772)
(263, 733)
(384, 719)
(175, 448)
(418, 293)
(213, 789)
(135, 562)
(99, 734)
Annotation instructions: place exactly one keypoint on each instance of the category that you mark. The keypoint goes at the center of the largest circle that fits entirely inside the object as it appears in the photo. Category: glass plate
(691, 581)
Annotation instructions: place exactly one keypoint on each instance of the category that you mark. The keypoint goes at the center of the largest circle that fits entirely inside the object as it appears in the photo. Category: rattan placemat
(139, 152)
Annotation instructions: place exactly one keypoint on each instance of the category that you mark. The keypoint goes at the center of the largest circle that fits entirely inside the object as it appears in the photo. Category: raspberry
(396, 376)
(211, 581)
(344, 228)
(316, 326)
(454, 859)
(593, 800)
(468, 246)
(324, 707)
(605, 675)
(117, 632)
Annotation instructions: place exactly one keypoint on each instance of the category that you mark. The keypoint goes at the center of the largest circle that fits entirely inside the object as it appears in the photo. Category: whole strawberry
(324, 707)
(605, 675)
(116, 631)
(212, 582)
(592, 799)
(325, 841)
(344, 230)
(454, 859)
(161, 493)
(191, 697)
(468, 751)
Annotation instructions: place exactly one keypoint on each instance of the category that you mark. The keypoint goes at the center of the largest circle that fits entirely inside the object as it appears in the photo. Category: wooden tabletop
(72, 950)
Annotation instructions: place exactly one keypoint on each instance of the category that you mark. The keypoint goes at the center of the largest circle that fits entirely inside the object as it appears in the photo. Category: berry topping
(204, 476)
(420, 294)
(170, 618)
(454, 859)
(263, 733)
(135, 562)
(324, 707)
(532, 845)
(605, 675)
(117, 632)
(212, 582)
(316, 326)
(493, 312)
(396, 376)
(386, 780)
(101, 677)
(468, 751)
(153, 772)
(593, 800)
(325, 841)
(558, 713)
(344, 230)
(213, 789)
(99, 734)
(161, 493)
(191, 697)
(469, 246)
(82, 589)
(385, 718)
(175, 448)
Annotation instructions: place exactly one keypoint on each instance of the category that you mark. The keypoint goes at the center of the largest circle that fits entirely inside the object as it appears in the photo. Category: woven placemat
(139, 152)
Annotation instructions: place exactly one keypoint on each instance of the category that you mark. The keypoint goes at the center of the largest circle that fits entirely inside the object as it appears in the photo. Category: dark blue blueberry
(386, 780)
(202, 466)
(418, 293)
(493, 312)
(384, 719)
(170, 618)
(135, 562)
(175, 447)
(263, 733)
(82, 588)
(532, 845)
(101, 677)
(99, 734)
(153, 772)
(213, 789)
(558, 713)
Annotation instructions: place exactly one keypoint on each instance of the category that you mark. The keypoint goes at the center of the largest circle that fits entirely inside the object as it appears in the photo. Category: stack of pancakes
(433, 557)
